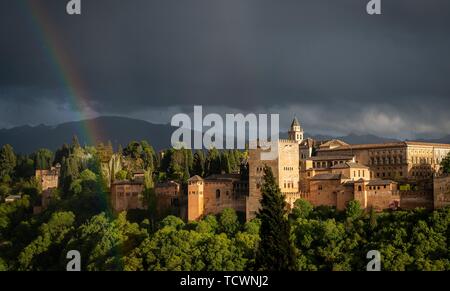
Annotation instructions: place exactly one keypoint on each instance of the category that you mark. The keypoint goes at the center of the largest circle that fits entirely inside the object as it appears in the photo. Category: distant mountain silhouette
(357, 139)
(351, 138)
(122, 130)
(118, 130)
(445, 139)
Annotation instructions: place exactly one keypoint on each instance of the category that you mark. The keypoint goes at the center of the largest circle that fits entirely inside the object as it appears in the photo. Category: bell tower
(296, 131)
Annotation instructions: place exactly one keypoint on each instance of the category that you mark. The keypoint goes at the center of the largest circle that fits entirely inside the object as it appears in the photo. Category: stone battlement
(282, 140)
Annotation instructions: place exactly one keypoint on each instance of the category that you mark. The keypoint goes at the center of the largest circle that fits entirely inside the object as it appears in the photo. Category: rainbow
(47, 33)
(65, 68)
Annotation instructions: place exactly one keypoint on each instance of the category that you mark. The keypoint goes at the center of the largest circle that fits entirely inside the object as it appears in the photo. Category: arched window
(217, 194)
(359, 188)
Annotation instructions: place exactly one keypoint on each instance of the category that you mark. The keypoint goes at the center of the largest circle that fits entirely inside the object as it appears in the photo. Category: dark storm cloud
(329, 56)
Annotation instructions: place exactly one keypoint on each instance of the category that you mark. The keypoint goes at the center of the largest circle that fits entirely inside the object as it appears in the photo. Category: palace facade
(332, 173)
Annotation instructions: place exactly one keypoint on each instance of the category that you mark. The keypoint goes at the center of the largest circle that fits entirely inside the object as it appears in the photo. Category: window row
(288, 184)
(324, 164)
(386, 160)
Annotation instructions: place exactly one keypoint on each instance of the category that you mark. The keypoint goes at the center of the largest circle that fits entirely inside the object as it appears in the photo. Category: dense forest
(306, 238)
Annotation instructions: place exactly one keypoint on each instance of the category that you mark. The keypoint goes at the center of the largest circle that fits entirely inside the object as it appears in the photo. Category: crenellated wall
(441, 191)
(414, 199)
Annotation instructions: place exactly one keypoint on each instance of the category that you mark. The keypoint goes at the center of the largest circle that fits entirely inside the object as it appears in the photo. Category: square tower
(196, 205)
(285, 169)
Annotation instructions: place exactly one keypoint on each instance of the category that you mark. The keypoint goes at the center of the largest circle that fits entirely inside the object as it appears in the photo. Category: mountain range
(122, 130)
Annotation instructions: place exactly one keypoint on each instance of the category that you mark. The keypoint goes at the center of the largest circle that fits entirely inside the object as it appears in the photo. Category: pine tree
(8, 162)
(276, 251)
(43, 159)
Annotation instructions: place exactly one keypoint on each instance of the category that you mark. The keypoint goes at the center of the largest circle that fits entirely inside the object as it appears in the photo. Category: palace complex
(332, 173)
(380, 176)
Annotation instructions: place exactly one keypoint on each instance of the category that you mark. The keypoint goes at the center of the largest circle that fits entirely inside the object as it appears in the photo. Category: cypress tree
(75, 142)
(225, 163)
(186, 174)
(199, 163)
(372, 219)
(213, 162)
(232, 161)
(276, 251)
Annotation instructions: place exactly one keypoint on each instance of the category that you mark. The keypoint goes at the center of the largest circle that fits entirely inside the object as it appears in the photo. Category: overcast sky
(338, 69)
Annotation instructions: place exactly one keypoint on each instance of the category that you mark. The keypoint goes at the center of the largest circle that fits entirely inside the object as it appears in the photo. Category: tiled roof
(128, 182)
(427, 144)
(327, 177)
(223, 177)
(380, 182)
(364, 146)
(167, 184)
(196, 178)
(384, 145)
(330, 158)
(333, 142)
(349, 165)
